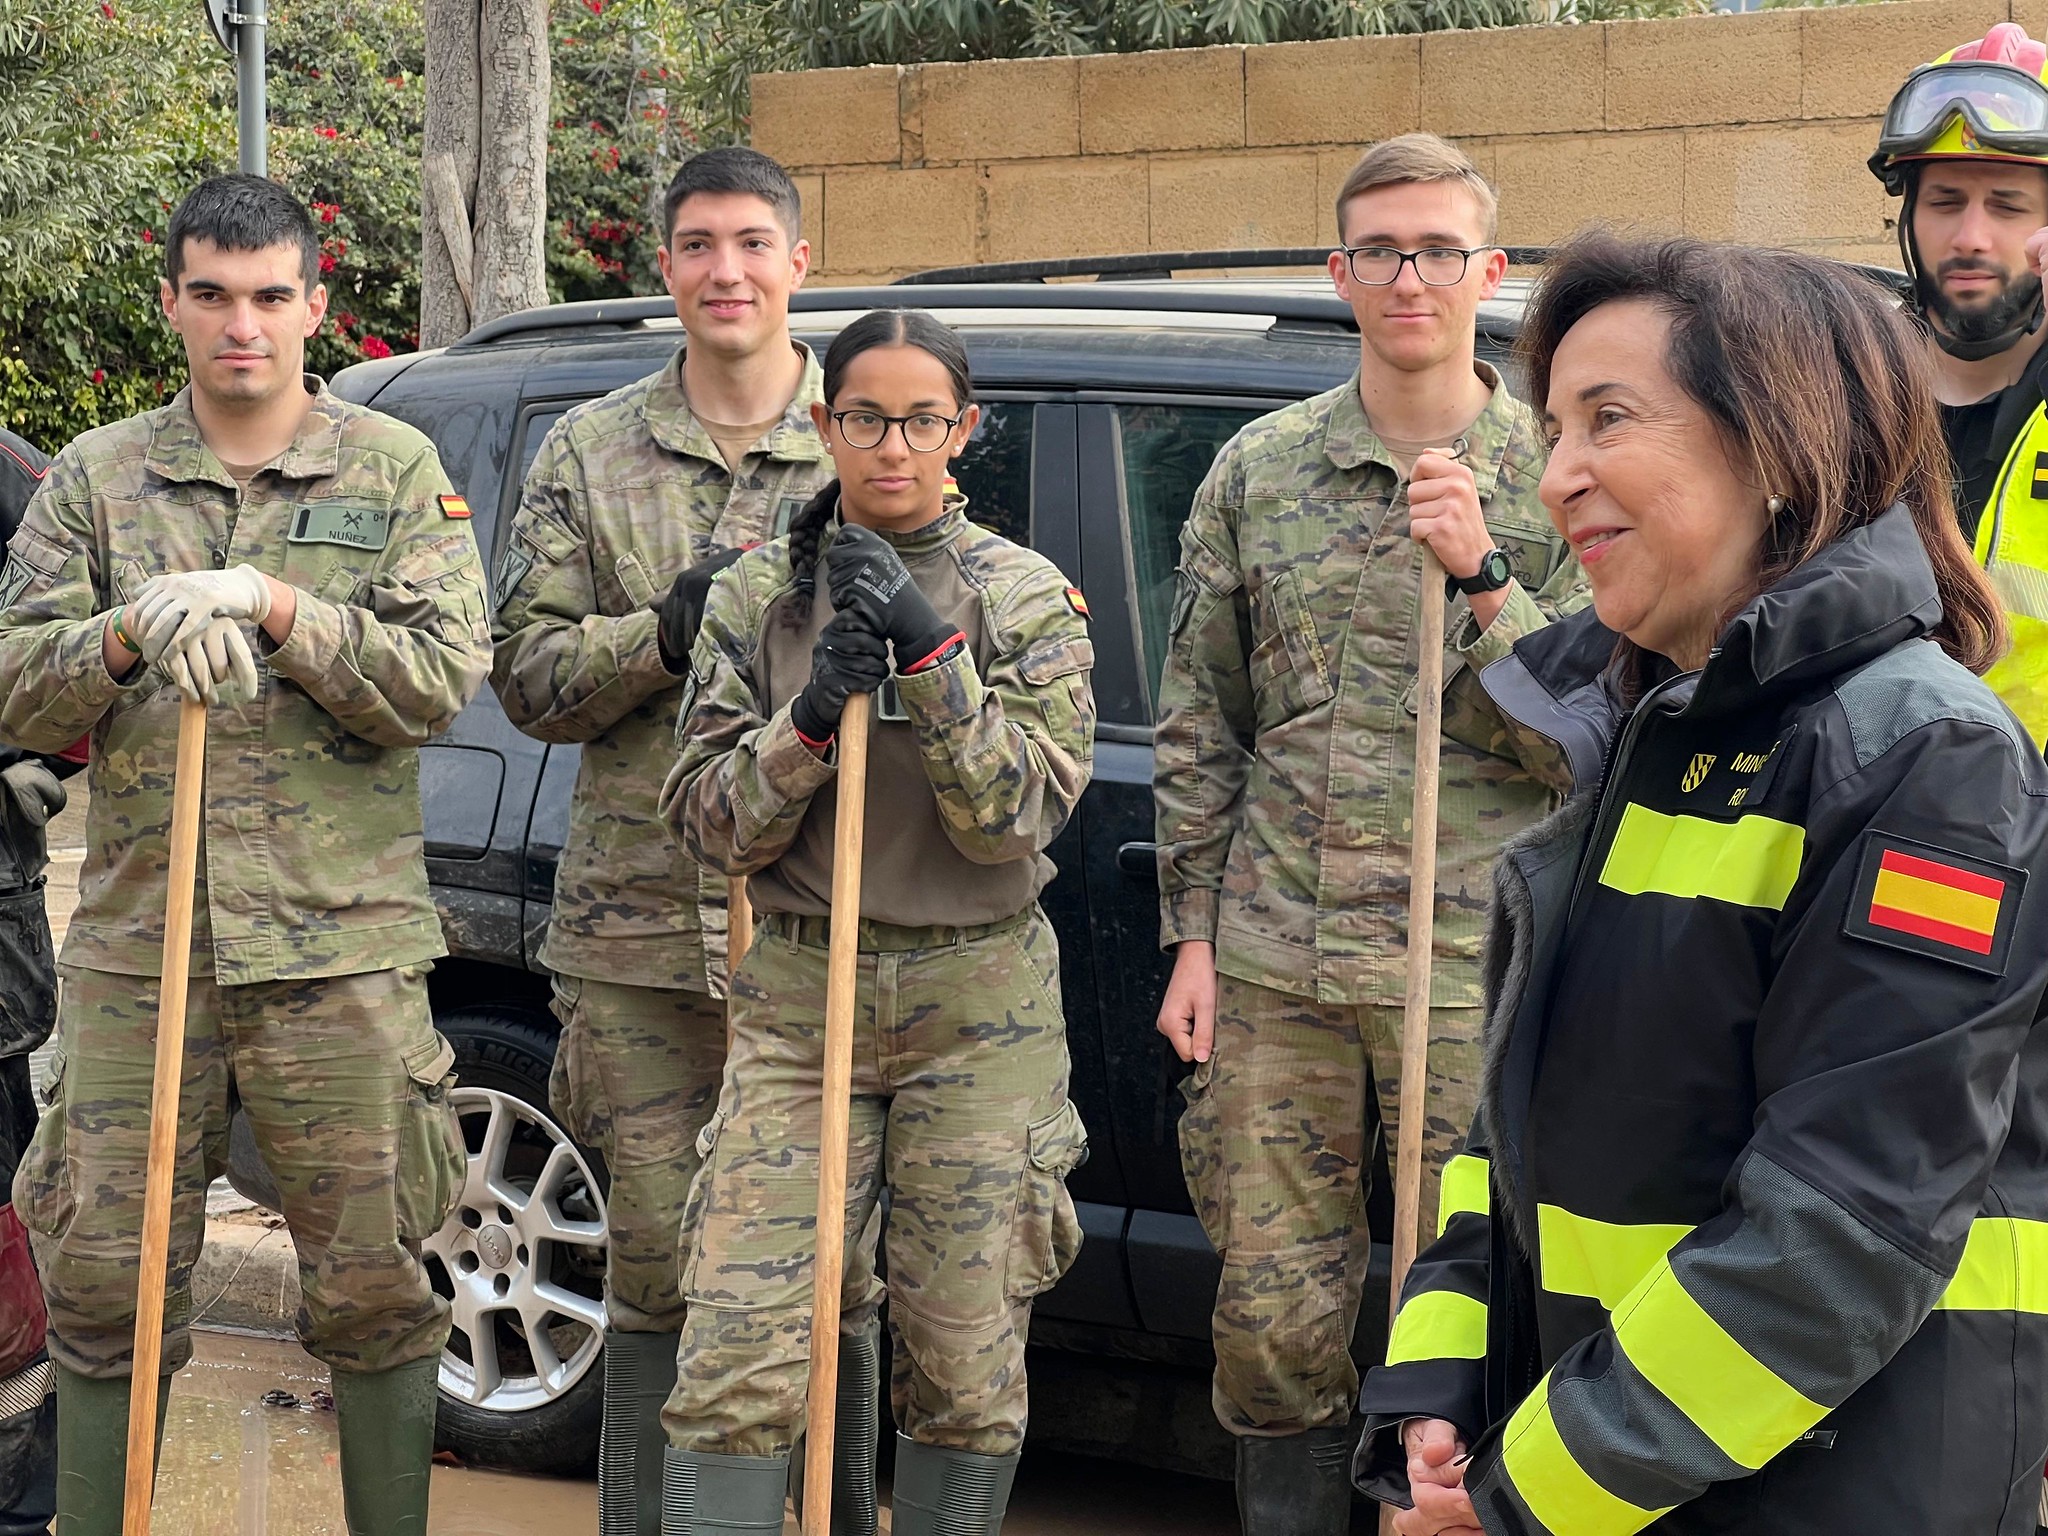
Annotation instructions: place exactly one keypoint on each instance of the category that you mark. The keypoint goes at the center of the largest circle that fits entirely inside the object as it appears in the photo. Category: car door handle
(1140, 859)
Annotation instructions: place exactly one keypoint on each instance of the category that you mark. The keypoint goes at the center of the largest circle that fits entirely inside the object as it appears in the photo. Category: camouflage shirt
(628, 491)
(974, 765)
(311, 857)
(1285, 752)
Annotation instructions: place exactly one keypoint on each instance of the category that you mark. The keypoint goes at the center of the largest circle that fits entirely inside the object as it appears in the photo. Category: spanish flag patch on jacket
(1936, 903)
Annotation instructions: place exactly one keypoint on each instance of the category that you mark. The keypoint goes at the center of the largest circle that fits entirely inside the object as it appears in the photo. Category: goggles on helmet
(2003, 110)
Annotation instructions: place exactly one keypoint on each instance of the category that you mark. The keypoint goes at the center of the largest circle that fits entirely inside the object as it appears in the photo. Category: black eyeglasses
(1440, 266)
(926, 432)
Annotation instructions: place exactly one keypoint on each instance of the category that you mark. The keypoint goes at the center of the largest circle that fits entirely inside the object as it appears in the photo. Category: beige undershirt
(735, 442)
(242, 474)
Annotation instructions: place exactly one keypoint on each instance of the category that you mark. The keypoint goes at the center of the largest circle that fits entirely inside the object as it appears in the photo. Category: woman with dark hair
(982, 745)
(1751, 1232)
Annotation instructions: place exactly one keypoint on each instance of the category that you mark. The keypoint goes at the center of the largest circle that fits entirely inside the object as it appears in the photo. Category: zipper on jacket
(1617, 750)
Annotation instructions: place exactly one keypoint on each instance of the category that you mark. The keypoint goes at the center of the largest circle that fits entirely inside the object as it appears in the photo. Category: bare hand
(1443, 512)
(1187, 1014)
(2037, 252)
(1436, 1481)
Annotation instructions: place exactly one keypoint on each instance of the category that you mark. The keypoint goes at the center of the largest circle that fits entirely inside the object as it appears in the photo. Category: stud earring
(1775, 505)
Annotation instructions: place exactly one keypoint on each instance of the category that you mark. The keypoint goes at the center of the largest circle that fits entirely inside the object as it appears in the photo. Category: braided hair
(876, 328)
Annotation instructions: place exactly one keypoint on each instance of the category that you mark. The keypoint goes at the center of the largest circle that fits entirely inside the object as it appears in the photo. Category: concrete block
(823, 117)
(810, 191)
(1233, 202)
(1783, 184)
(1551, 187)
(1181, 98)
(883, 223)
(1857, 55)
(1703, 69)
(1514, 80)
(1010, 109)
(1346, 91)
(1064, 208)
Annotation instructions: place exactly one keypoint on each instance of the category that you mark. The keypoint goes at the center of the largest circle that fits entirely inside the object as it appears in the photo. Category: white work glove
(171, 610)
(215, 657)
(37, 793)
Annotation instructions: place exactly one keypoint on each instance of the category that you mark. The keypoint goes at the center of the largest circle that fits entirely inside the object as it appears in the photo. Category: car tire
(503, 1054)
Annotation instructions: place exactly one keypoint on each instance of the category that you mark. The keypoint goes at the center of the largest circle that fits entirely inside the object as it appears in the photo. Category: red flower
(99, 375)
(107, 9)
(328, 133)
(376, 346)
(149, 237)
(326, 263)
(327, 211)
(596, 7)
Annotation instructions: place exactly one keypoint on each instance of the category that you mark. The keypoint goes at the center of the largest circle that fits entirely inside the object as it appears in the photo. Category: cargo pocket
(1288, 669)
(433, 1163)
(1045, 1236)
(43, 1195)
(693, 1202)
(1201, 1153)
(575, 1085)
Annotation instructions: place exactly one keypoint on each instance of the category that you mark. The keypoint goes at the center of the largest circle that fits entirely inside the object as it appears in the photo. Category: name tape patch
(1932, 902)
(333, 523)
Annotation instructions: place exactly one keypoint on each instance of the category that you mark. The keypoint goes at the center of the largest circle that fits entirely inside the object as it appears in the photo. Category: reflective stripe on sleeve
(1733, 1398)
(1558, 1491)
(2004, 1268)
(1438, 1325)
(1751, 863)
(1464, 1190)
(1578, 1256)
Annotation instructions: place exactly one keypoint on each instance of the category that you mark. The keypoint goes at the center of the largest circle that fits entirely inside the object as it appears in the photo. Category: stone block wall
(1751, 127)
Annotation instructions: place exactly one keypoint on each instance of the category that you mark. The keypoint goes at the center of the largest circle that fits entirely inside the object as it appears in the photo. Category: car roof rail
(1156, 265)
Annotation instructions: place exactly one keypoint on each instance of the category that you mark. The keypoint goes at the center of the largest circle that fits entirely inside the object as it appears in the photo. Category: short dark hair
(734, 169)
(242, 213)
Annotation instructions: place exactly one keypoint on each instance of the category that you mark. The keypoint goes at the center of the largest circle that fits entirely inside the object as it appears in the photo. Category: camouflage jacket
(311, 859)
(626, 492)
(974, 765)
(1285, 751)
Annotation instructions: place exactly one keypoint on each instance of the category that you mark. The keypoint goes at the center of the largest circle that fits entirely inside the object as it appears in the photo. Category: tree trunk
(483, 180)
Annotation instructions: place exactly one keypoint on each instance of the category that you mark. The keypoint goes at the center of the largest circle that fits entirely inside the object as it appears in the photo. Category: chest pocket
(1290, 674)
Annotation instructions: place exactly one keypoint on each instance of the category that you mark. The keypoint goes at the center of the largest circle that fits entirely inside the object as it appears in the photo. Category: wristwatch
(1494, 573)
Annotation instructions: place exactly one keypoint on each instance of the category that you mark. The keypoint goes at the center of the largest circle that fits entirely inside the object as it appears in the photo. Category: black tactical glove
(682, 611)
(849, 658)
(865, 573)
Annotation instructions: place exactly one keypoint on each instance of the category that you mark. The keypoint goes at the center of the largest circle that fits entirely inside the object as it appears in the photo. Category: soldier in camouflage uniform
(628, 495)
(982, 746)
(1284, 779)
(254, 514)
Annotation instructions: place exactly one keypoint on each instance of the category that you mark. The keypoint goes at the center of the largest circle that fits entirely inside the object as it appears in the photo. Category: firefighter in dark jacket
(1751, 1233)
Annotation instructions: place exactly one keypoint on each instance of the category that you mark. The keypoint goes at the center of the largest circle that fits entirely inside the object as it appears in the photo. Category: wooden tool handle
(842, 972)
(1429, 719)
(739, 938)
(163, 1118)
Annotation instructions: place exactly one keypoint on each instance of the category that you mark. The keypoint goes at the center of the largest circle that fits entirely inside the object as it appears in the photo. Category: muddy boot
(386, 1419)
(856, 1428)
(703, 1495)
(92, 1450)
(639, 1371)
(1296, 1485)
(942, 1492)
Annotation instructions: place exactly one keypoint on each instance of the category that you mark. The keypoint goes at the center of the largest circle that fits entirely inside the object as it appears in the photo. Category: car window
(538, 423)
(995, 471)
(1163, 452)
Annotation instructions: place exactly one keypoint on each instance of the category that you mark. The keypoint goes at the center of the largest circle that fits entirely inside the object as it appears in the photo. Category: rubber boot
(856, 1429)
(639, 1373)
(1296, 1485)
(703, 1495)
(386, 1419)
(944, 1492)
(92, 1450)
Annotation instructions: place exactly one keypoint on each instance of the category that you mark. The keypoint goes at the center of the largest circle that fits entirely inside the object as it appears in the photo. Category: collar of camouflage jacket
(178, 451)
(675, 427)
(1351, 443)
(934, 535)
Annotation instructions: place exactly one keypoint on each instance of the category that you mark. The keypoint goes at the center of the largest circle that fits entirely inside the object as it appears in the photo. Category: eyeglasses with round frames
(1440, 266)
(925, 432)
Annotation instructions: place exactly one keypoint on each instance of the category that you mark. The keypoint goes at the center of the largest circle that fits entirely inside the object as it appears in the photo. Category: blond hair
(1419, 157)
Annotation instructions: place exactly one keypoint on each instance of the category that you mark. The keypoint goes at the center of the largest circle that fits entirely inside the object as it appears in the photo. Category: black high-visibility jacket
(1752, 1232)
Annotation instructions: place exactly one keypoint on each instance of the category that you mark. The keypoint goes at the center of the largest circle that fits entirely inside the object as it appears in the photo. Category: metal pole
(251, 126)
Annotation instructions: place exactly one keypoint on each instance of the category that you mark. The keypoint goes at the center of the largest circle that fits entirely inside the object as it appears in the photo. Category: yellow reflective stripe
(1737, 1401)
(1438, 1325)
(2004, 1268)
(1752, 862)
(1559, 1491)
(1578, 1256)
(1464, 1190)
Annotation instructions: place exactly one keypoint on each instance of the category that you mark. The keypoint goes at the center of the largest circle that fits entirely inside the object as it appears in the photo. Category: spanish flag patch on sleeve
(1077, 602)
(1932, 902)
(454, 506)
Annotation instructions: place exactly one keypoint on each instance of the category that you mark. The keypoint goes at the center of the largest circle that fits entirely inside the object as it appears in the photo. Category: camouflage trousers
(636, 1078)
(1276, 1145)
(959, 1107)
(344, 1081)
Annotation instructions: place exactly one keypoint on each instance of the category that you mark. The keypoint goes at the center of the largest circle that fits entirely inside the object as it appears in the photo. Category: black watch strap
(1495, 571)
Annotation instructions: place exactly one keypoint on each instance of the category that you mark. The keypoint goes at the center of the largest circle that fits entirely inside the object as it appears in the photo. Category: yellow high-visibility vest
(2012, 546)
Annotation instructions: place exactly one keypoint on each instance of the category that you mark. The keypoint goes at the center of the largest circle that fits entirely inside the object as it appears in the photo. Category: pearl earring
(1775, 505)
